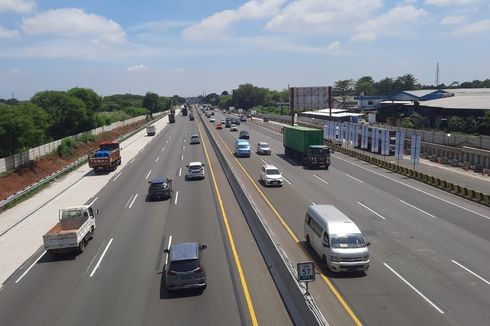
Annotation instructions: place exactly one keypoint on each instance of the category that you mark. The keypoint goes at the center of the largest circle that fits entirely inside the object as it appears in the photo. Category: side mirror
(204, 247)
(326, 244)
(169, 180)
(166, 251)
(368, 243)
(149, 181)
(203, 164)
(96, 211)
(187, 165)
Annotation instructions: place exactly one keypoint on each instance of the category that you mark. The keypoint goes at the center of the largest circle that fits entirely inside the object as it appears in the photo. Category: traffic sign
(306, 272)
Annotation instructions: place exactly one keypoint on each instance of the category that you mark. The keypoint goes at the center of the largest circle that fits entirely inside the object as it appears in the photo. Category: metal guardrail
(56, 174)
(300, 305)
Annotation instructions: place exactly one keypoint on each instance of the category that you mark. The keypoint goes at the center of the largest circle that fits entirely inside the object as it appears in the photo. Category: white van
(336, 239)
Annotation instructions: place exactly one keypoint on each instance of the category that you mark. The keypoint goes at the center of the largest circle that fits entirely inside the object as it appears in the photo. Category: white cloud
(333, 47)
(449, 2)
(161, 25)
(396, 15)
(13, 71)
(320, 16)
(7, 33)
(475, 28)
(217, 24)
(137, 68)
(17, 6)
(363, 37)
(452, 20)
(73, 22)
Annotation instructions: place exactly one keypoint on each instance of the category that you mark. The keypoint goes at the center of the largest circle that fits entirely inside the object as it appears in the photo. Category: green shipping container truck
(306, 145)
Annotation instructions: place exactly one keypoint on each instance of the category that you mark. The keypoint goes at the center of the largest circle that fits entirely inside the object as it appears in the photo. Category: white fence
(13, 161)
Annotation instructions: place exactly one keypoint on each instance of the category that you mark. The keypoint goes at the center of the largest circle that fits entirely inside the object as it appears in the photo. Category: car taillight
(200, 269)
(171, 273)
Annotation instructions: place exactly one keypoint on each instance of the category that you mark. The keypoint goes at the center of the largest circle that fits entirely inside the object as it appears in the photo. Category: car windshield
(194, 167)
(184, 265)
(243, 146)
(272, 171)
(347, 241)
(264, 146)
(319, 151)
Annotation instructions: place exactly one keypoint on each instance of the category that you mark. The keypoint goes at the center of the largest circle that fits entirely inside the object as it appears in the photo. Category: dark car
(265, 119)
(185, 267)
(244, 134)
(191, 117)
(160, 187)
(243, 119)
(236, 121)
(227, 124)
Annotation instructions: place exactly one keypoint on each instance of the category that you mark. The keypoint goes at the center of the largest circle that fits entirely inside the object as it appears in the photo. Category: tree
(22, 126)
(68, 114)
(212, 99)
(365, 85)
(405, 83)
(93, 102)
(225, 101)
(471, 125)
(343, 88)
(456, 124)
(224, 93)
(151, 101)
(384, 86)
(407, 123)
(247, 96)
(484, 128)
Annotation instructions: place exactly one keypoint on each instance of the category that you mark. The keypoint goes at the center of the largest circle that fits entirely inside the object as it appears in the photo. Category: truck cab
(318, 156)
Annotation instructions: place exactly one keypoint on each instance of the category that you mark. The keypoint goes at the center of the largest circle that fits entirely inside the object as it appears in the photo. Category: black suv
(191, 117)
(160, 187)
(244, 134)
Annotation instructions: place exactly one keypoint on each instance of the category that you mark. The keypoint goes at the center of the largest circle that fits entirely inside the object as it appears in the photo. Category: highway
(118, 280)
(429, 249)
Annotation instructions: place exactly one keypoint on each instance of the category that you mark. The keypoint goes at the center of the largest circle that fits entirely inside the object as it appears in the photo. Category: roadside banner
(355, 134)
(374, 140)
(385, 142)
(415, 149)
(325, 131)
(331, 131)
(338, 132)
(399, 145)
(364, 137)
(348, 127)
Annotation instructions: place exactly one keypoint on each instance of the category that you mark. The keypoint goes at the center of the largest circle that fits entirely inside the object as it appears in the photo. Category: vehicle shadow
(289, 160)
(52, 257)
(92, 173)
(324, 270)
(165, 294)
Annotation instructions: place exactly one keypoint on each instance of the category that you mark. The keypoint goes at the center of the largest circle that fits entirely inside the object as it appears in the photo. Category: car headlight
(365, 258)
(335, 258)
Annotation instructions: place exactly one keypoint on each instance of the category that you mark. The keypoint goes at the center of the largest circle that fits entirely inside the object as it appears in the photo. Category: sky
(191, 47)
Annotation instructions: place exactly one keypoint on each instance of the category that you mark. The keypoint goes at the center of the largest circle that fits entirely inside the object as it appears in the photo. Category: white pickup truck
(75, 227)
(151, 130)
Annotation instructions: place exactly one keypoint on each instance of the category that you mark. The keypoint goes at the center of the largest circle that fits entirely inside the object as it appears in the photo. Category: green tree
(68, 114)
(385, 86)
(212, 99)
(151, 101)
(365, 85)
(484, 128)
(225, 101)
(456, 124)
(93, 102)
(224, 93)
(471, 125)
(22, 126)
(407, 123)
(343, 88)
(247, 96)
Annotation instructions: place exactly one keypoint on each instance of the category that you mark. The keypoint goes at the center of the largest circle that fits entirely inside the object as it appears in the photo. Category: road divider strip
(465, 192)
(241, 274)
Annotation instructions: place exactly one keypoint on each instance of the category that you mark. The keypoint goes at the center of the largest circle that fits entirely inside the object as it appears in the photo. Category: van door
(316, 236)
(326, 246)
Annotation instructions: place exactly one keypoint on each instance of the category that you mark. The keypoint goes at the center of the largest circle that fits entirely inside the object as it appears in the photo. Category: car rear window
(194, 167)
(272, 171)
(184, 265)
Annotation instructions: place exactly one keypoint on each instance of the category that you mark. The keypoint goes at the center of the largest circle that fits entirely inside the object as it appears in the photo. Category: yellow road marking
(295, 238)
(232, 242)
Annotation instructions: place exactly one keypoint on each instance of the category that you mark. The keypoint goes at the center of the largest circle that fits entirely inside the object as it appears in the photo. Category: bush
(86, 138)
(66, 147)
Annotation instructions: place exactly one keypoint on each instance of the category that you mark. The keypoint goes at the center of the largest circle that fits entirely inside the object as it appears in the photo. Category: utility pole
(437, 74)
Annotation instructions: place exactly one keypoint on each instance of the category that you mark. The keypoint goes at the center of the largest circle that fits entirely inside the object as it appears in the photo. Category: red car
(219, 126)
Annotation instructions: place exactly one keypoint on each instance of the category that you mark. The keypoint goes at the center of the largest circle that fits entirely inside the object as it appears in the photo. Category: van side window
(316, 227)
(325, 238)
(307, 218)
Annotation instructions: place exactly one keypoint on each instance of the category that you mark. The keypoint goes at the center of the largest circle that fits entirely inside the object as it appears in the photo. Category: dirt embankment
(34, 171)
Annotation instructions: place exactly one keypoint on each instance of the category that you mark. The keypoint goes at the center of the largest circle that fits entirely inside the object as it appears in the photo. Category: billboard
(309, 98)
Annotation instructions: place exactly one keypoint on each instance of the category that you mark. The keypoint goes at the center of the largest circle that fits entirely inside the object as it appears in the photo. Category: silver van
(336, 239)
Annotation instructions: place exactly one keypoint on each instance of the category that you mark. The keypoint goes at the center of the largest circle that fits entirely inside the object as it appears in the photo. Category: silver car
(263, 148)
(195, 170)
(195, 139)
(185, 269)
(271, 176)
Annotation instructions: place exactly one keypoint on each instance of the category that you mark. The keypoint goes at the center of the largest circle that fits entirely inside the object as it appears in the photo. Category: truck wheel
(81, 246)
(308, 242)
(92, 231)
(326, 167)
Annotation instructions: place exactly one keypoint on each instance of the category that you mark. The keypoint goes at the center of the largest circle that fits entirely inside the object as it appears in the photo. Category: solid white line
(264, 161)
(354, 178)
(414, 188)
(101, 257)
(176, 197)
(471, 272)
(421, 210)
(313, 203)
(157, 159)
(180, 172)
(369, 209)
(182, 157)
(166, 142)
(320, 179)
(32, 265)
(413, 288)
(183, 147)
(117, 176)
(148, 174)
(93, 201)
(131, 161)
(286, 180)
(168, 247)
(132, 202)
(163, 148)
